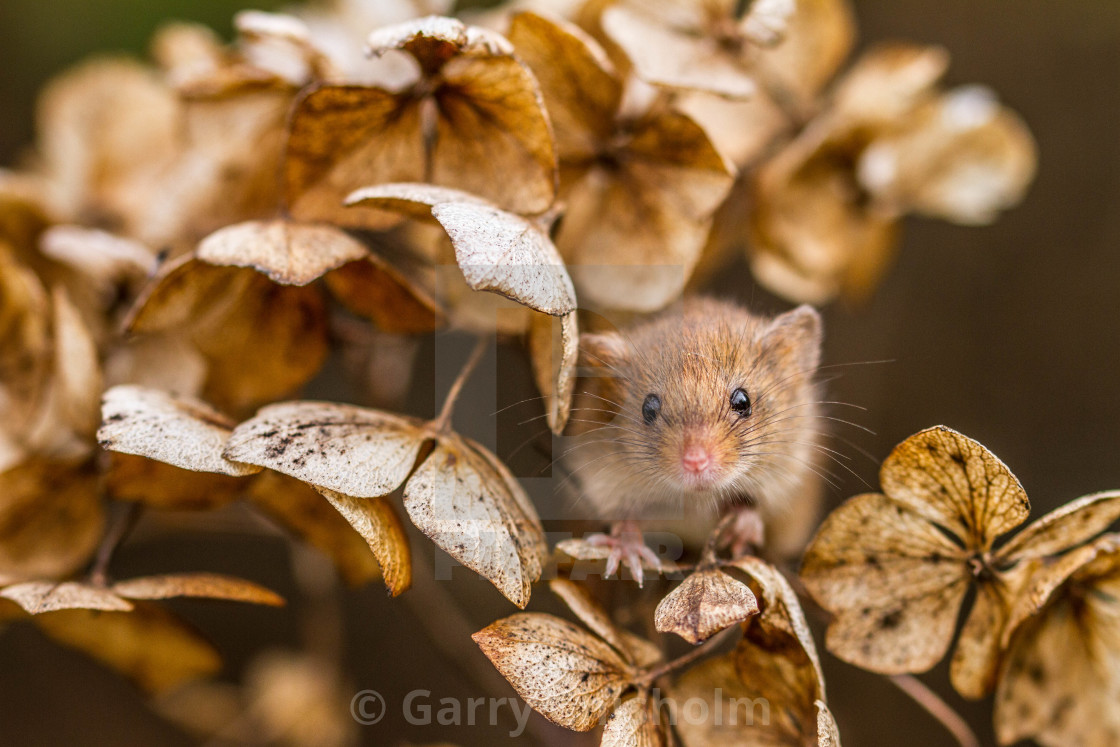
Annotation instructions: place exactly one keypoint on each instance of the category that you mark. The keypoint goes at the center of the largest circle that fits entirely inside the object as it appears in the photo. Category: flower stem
(704, 649)
(442, 422)
(936, 707)
(124, 519)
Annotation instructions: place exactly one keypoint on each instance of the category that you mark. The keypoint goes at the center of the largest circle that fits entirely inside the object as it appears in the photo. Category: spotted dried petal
(381, 527)
(180, 431)
(553, 351)
(703, 604)
(562, 671)
(355, 451)
(468, 503)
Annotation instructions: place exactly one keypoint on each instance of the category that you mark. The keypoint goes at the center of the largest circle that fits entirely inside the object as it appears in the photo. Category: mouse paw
(744, 532)
(625, 544)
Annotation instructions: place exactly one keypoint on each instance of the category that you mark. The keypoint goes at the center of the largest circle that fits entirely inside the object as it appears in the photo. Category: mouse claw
(745, 533)
(626, 544)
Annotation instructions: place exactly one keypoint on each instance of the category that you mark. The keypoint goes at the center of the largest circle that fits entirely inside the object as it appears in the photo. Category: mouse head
(709, 398)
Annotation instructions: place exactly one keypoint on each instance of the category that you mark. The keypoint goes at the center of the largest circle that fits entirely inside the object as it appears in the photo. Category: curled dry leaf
(703, 604)
(51, 519)
(497, 251)
(640, 189)
(459, 495)
(376, 521)
(473, 119)
(1059, 684)
(553, 351)
(180, 431)
(147, 644)
(563, 672)
(894, 567)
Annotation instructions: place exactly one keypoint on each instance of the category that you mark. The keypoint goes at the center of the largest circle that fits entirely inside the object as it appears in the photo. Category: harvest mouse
(704, 409)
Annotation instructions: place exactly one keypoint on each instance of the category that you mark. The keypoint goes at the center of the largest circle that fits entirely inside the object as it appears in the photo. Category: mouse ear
(798, 334)
(603, 350)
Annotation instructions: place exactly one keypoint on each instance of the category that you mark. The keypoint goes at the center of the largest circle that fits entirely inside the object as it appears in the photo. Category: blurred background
(1008, 333)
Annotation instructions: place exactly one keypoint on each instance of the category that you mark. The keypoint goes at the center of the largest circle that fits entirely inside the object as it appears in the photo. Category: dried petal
(77, 368)
(1059, 684)
(37, 597)
(200, 585)
(159, 485)
(469, 504)
(1065, 527)
(51, 519)
(288, 253)
(703, 604)
(590, 614)
(396, 301)
(559, 669)
(894, 582)
(632, 725)
(378, 523)
(180, 431)
(496, 250)
(956, 483)
(553, 351)
(352, 450)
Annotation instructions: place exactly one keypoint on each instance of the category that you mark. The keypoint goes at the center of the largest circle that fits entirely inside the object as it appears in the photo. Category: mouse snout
(696, 459)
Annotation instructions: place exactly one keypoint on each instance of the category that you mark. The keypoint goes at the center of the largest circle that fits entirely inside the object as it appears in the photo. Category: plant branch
(124, 519)
(936, 707)
(443, 420)
(704, 649)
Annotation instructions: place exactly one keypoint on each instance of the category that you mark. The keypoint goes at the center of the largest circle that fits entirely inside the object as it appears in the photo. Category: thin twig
(443, 420)
(707, 647)
(124, 519)
(936, 707)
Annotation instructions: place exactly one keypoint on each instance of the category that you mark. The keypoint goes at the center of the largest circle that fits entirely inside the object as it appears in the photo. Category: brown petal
(581, 90)
(668, 57)
(51, 519)
(559, 669)
(343, 137)
(493, 136)
(956, 483)
(378, 523)
(37, 597)
(894, 582)
(200, 585)
(962, 157)
(433, 40)
(288, 253)
(356, 451)
(819, 37)
(160, 485)
(888, 82)
(703, 604)
(591, 614)
(396, 300)
(977, 656)
(1059, 684)
(497, 251)
(632, 725)
(148, 645)
(180, 431)
(633, 233)
(77, 367)
(469, 504)
(1065, 527)
(553, 350)
(234, 314)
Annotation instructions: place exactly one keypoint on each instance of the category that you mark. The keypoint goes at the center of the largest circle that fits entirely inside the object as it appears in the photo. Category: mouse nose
(696, 459)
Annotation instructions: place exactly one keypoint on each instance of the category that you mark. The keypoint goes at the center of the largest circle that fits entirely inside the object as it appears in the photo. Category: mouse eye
(650, 408)
(740, 402)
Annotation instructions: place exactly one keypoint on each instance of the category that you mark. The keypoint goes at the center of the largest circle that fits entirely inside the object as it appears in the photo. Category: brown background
(1007, 333)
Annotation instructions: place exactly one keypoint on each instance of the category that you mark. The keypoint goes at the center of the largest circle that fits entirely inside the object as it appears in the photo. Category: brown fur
(693, 356)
